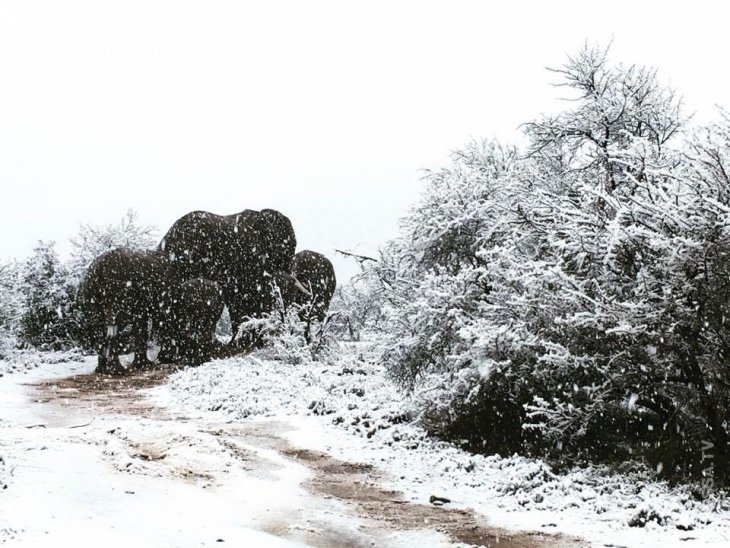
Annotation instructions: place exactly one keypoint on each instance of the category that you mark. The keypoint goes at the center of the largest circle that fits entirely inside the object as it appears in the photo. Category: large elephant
(314, 273)
(240, 252)
(123, 294)
(189, 334)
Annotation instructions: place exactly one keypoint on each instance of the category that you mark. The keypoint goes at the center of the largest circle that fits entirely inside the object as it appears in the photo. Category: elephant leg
(139, 341)
(102, 364)
(108, 358)
(236, 321)
(169, 348)
(167, 333)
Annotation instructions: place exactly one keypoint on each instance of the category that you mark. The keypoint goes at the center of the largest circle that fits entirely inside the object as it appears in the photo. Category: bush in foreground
(570, 299)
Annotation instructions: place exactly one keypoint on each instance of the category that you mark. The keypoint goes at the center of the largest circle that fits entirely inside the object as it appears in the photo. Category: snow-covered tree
(572, 299)
(356, 310)
(11, 301)
(11, 305)
(47, 319)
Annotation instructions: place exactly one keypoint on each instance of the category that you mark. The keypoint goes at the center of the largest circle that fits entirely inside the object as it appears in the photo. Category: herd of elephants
(176, 293)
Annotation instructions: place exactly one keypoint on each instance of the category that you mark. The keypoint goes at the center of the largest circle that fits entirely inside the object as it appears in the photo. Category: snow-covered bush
(11, 301)
(47, 319)
(356, 310)
(11, 305)
(571, 299)
(284, 336)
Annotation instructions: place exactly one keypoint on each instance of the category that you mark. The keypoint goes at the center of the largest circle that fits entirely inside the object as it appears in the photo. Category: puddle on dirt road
(244, 444)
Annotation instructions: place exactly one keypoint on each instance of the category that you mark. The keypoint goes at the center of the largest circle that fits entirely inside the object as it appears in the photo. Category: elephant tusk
(301, 288)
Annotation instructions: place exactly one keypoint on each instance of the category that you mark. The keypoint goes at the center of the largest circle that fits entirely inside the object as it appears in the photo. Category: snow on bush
(19, 359)
(285, 335)
(570, 300)
(48, 294)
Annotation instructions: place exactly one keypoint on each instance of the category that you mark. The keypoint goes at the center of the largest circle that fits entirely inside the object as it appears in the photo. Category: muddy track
(357, 485)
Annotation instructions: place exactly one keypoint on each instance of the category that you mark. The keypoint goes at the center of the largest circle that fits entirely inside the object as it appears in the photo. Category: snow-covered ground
(97, 461)
(351, 410)
(213, 454)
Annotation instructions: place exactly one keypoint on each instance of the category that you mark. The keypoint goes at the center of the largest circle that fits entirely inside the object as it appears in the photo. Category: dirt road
(104, 455)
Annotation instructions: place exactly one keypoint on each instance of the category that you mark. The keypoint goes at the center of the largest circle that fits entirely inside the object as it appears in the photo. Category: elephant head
(310, 287)
(315, 272)
(278, 240)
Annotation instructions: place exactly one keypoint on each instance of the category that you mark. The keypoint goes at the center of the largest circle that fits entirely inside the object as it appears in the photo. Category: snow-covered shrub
(8, 343)
(11, 298)
(572, 299)
(47, 319)
(283, 335)
(11, 306)
(223, 329)
(356, 308)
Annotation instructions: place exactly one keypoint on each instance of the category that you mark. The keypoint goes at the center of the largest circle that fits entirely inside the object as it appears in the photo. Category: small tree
(49, 296)
(356, 310)
(11, 305)
(11, 299)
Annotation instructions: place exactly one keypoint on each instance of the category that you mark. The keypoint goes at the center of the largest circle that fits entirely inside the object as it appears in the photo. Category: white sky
(326, 111)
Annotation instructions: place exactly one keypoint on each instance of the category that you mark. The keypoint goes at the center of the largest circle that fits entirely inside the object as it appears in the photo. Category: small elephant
(310, 286)
(189, 335)
(316, 273)
(124, 291)
(240, 252)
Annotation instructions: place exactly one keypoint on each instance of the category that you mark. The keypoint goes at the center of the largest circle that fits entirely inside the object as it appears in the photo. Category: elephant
(316, 275)
(124, 291)
(195, 309)
(240, 252)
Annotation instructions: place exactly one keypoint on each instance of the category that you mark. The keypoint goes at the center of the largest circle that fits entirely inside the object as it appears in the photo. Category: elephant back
(111, 276)
(198, 245)
(134, 276)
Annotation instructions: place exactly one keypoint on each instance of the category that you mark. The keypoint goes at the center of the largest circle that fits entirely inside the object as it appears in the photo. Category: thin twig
(361, 258)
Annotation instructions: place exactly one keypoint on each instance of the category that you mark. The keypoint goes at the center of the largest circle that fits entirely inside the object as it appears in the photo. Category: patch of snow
(20, 360)
(120, 480)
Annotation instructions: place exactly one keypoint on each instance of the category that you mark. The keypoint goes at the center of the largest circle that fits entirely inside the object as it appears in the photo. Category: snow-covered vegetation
(38, 296)
(547, 332)
(569, 300)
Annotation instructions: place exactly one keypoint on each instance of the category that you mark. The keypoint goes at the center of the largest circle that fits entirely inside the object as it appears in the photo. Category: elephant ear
(277, 238)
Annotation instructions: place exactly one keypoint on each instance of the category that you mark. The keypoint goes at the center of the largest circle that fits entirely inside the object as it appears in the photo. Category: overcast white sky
(326, 111)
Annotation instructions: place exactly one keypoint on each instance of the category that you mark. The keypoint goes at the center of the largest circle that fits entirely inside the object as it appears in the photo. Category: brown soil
(360, 484)
(356, 484)
(106, 393)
